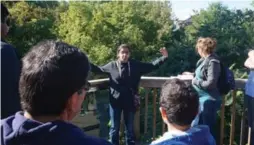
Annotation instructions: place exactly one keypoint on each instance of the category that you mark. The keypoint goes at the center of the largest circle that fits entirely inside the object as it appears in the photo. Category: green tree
(98, 28)
(231, 28)
(30, 24)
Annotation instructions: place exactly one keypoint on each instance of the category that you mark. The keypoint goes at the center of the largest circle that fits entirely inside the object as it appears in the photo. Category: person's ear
(163, 115)
(74, 103)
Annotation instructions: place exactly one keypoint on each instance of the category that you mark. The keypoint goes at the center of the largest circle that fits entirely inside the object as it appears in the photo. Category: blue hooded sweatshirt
(18, 130)
(198, 135)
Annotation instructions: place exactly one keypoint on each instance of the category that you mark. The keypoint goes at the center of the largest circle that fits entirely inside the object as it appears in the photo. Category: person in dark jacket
(53, 85)
(179, 105)
(205, 80)
(124, 75)
(10, 71)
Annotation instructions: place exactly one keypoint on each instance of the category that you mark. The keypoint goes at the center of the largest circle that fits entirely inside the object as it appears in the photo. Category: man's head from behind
(178, 103)
(53, 80)
(4, 21)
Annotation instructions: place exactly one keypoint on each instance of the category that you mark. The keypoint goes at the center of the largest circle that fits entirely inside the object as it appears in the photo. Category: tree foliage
(98, 28)
(30, 24)
(233, 30)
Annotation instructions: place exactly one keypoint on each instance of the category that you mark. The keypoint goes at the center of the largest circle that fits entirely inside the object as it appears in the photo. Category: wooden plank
(232, 130)
(154, 111)
(249, 137)
(137, 124)
(222, 121)
(146, 109)
(122, 126)
(243, 127)
(155, 82)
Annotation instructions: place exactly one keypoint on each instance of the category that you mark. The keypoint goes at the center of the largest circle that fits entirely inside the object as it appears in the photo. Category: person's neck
(206, 55)
(121, 61)
(42, 119)
(174, 127)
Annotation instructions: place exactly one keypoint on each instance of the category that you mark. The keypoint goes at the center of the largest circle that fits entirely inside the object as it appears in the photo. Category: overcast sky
(183, 9)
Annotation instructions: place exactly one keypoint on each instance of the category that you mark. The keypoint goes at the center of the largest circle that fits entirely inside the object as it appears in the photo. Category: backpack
(226, 81)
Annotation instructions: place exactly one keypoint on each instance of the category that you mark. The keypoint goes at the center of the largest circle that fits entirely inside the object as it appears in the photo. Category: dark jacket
(10, 72)
(122, 89)
(210, 75)
(18, 130)
(197, 135)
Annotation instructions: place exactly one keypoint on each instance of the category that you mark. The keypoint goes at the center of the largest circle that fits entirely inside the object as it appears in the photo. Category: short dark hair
(52, 72)
(180, 101)
(4, 13)
(123, 46)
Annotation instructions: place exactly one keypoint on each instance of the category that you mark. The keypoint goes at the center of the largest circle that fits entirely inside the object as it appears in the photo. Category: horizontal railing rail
(155, 83)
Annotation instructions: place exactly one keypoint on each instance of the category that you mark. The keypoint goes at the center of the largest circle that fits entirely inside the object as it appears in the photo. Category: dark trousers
(249, 104)
(115, 118)
(208, 114)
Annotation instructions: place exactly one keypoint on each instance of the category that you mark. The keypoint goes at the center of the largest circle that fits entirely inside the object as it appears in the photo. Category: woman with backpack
(249, 91)
(206, 76)
(124, 77)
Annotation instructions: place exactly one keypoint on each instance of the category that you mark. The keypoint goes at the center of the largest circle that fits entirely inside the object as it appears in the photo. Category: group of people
(51, 83)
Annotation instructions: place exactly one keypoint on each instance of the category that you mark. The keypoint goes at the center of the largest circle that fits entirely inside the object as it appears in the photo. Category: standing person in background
(10, 71)
(249, 98)
(125, 75)
(205, 80)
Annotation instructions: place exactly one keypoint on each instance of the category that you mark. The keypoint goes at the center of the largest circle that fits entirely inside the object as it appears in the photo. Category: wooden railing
(155, 83)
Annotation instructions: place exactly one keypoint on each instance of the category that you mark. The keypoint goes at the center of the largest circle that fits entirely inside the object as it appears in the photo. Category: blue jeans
(115, 118)
(208, 114)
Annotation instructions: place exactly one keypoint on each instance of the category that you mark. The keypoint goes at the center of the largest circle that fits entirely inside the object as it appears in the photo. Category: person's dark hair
(52, 72)
(180, 102)
(4, 13)
(123, 46)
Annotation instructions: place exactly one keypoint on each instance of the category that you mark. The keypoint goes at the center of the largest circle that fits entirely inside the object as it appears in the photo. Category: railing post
(232, 130)
(146, 109)
(243, 127)
(137, 124)
(154, 111)
(249, 136)
(122, 126)
(222, 121)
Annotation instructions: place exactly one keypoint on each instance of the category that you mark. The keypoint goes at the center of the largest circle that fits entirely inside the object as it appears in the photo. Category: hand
(164, 52)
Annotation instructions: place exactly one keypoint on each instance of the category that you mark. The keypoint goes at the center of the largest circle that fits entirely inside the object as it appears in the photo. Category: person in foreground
(124, 77)
(52, 87)
(10, 70)
(179, 105)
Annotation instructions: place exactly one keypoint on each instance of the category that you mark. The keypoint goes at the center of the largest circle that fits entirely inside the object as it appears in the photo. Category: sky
(183, 9)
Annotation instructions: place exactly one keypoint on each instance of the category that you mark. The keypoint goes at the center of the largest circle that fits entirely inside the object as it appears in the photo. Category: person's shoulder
(78, 137)
(6, 125)
(214, 58)
(7, 49)
(203, 131)
(135, 62)
(169, 142)
(5, 45)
